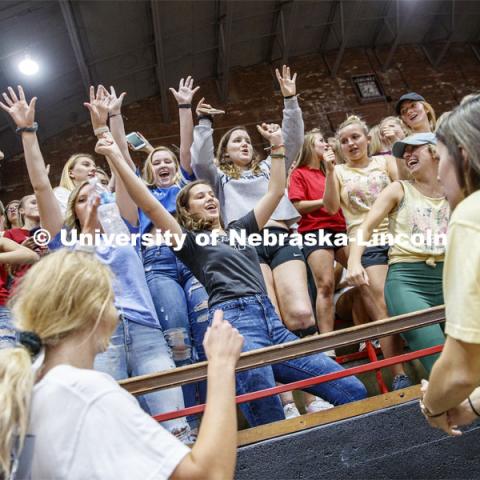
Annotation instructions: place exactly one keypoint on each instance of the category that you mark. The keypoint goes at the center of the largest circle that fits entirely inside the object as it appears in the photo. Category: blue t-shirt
(132, 295)
(167, 197)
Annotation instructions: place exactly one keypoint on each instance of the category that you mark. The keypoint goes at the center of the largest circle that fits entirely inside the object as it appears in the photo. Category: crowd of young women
(151, 309)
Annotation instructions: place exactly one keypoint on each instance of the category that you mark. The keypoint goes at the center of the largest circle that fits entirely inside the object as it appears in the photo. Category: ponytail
(16, 387)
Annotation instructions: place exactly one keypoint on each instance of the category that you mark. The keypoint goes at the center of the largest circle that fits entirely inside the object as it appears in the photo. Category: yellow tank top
(419, 227)
(359, 188)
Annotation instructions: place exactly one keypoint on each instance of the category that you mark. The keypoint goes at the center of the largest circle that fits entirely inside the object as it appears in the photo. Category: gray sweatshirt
(238, 196)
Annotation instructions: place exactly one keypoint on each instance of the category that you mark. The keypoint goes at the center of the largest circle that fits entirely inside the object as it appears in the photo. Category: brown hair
(226, 165)
(21, 219)
(186, 219)
(460, 129)
(147, 171)
(8, 225)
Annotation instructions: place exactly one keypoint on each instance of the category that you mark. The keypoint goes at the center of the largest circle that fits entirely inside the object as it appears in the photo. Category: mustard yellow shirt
(359, 188)
(461, 274)
(419, 227)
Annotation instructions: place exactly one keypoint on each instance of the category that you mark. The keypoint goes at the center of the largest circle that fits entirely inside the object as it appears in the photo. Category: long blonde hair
(65, 179)
(71, 220)
(64, 293)
(226, 165)
(147, 171)
(432, 118)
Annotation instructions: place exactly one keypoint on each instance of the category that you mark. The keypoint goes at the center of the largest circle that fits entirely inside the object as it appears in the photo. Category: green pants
(415, 286)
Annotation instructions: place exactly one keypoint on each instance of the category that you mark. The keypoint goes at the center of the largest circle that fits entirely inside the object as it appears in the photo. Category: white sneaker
(291, 411)
(318, 405)
(375, 343)
(330, 353)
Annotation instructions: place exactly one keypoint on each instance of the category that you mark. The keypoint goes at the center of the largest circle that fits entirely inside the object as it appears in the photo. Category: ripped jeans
(7, 330)
(138, 350)
(181, 303)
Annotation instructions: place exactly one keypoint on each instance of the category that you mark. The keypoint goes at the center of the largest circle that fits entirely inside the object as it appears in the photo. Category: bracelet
(278, 155)
(98, 131)
(276, 147)
(113, 115)
(184, 105)
(473, 408)
(289, 96)
(429, 414)
(31, 129)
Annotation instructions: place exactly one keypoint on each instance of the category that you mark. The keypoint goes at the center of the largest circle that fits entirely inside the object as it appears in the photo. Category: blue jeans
(7, 330)
(256, 319)
(181, 304)
(138, 350)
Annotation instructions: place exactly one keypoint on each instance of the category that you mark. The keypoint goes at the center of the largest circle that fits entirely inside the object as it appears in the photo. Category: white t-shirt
(86, 426)
(62, 195)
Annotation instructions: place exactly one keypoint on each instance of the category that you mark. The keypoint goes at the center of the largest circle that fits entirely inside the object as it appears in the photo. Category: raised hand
(206, 109)
(271, 132)
(185, 91)
(114, 102)
(222, 342)
(98, 106)
(286, 82)
(329, 159)
(22, 113)
(2, 155)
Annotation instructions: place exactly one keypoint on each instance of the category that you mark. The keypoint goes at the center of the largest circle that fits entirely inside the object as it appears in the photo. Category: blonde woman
(448, 400)
(138, 344)
(354, 186)
(79, 167)
(416, 113)
(62, 419)
(416, 209)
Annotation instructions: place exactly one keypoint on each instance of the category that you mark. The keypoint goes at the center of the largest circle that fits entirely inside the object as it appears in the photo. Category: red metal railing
(374, 365)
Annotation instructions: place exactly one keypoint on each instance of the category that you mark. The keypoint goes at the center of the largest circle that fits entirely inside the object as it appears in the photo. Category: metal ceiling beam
(345, 33)
(225, 18)
(436, 60)
(382, 22)
(396, 40)
(160, 58)
(330, 23)
(67, 12)
(283, 27)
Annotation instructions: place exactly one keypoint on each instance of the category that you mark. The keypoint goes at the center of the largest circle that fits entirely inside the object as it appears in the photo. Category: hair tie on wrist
(31, 341)
(289, 96)
(184, 105)
(98, 131)
(472, 407)
(278, 155)
(110, 115)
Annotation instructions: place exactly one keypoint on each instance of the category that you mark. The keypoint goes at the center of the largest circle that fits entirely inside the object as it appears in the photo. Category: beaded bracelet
(184, 105)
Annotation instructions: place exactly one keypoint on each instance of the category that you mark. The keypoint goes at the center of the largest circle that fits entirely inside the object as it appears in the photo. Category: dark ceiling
(146, 46)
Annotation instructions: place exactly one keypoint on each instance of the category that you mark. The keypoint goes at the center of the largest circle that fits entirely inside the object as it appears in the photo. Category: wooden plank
(287, 351)
(310, 420)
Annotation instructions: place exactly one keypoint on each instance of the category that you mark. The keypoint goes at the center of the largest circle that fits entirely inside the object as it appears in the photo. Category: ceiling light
(28, 66)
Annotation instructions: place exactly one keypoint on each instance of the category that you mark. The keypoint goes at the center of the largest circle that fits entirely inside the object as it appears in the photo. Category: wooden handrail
(287, 351)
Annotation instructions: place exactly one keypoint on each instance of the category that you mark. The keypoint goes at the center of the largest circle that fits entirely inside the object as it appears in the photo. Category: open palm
(22, 113)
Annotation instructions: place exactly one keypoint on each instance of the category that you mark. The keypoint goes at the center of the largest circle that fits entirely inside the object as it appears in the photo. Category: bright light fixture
(28, 66)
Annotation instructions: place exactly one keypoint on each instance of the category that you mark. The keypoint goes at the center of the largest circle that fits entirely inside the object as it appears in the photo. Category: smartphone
(135, 140)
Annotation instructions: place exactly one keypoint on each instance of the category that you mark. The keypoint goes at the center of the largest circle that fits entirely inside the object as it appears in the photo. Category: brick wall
(254, 97)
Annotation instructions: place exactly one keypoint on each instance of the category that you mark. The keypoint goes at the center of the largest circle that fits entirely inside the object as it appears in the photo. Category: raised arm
(214, 453)
(23, 114)
(98, 107)
(136, 189)
(203, 156)
(331, 196)
(276, 185)
(387, 201)
(292, 123)
(184, 96)
(13, 253)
